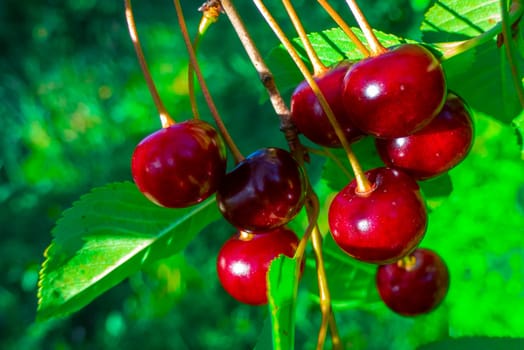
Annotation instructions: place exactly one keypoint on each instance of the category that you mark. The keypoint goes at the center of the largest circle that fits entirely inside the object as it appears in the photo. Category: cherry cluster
(421, 131)
(184, 163)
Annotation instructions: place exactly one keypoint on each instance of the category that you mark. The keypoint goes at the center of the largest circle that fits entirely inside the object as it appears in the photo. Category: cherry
(264, 191)
(395, 93)
(382, 225)
(309, 116)
(179, 165)
(414, 285)
(437, 147)
(243, 262)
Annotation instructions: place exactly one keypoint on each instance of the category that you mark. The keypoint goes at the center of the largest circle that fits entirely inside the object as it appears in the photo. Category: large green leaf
(453, 20)
(107, 235)
(283, 279)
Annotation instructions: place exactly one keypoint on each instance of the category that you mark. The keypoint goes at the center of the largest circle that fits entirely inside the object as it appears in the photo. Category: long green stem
(344, 26)
(209, 100)
(210, 14)
(318, 66)
(165, 119)
(374, 44)
(510, 52)
(363, 185)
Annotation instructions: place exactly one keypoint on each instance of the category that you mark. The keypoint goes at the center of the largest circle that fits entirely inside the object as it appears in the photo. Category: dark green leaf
(107, 235)
(283, 279)
(265, 339)
(476, 343)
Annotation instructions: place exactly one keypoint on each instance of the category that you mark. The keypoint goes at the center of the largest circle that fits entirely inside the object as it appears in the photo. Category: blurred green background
(73, 105)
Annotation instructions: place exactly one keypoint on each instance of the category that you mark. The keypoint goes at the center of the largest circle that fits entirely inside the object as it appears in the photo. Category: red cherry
(396, 93)
(180, 165)
(244, 260)
(414, 285)
(383, 225)
(309, 116)
(264, 191)
(437, 147)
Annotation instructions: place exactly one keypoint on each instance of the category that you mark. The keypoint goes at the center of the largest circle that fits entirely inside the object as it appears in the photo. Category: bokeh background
(73, 105)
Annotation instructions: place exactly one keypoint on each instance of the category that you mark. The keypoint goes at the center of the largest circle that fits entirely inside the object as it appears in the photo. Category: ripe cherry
(382, 225)
(243, 262)
(437, 147)
(179, 165)
(396, 93)
(309, 116)
(415, 284)
(264, 191)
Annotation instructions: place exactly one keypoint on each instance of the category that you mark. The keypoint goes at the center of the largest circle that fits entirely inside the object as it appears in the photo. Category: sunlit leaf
(107, 235)
(453, 20)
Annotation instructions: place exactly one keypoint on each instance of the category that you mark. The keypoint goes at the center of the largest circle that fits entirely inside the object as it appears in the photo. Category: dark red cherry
(179, 165)
(383, 225)
(396, 93)
(309, 116)
(244, 260)
(415, 284)
(264, 191)
(437, 147)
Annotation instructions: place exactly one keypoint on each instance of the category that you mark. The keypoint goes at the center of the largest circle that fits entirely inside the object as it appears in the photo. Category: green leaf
(332, 47)
(476, 343)
(484, 66)
(351, 282)
(518, 123)
(283, 279)
(454, 20)
(107, 235)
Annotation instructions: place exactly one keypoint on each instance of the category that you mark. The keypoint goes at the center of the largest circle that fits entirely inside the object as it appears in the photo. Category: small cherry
(415, 284)
(179, 165)
(264, 191)
(394, 93)
(309, 116)
(382, 225)
(437, 147)
(243, 262)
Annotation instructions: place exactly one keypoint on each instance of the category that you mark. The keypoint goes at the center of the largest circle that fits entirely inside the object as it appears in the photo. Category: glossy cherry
(309, 116)
(243, 262)
(396, 93)
(179, 165)
(382, 225)
(437, 147)
(413, 285)
(264, 191)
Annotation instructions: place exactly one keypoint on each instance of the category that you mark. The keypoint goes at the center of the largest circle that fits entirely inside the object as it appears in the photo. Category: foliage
(63, 140)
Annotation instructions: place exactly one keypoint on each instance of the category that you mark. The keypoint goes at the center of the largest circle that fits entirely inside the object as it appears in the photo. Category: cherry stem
(266, 77)
(210, 13)
(344, 26)
(314, 209)
(325, 298)
(191, 78)
(371, 38)
(318, 66)
(451, 49)
(326, 152)
(165, 118)
(510, 52)
(363, 185)
(209, 100)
